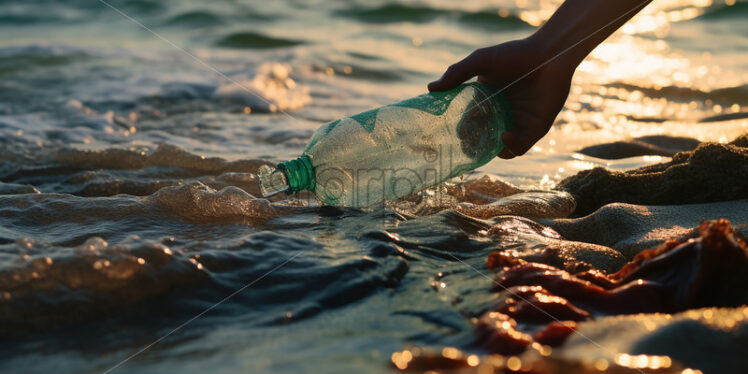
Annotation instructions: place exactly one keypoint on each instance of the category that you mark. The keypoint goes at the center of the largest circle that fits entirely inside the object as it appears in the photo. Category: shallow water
(127, 160)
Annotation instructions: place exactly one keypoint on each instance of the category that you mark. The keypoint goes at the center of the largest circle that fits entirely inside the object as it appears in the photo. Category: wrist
(548, 51)
(541, 45)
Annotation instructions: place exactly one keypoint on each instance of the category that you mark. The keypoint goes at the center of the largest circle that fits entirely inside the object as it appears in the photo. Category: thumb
(469, 67)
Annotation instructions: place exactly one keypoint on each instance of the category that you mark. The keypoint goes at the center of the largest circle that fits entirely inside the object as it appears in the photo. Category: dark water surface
(127, 186)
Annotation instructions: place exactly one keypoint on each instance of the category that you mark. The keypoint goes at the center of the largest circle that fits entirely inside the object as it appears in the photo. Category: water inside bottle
(475, 128)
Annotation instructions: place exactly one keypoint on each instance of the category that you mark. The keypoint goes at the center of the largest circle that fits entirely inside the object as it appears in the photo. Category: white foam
(270, 90)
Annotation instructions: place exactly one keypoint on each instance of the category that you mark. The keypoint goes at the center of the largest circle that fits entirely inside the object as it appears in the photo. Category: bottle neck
(300, 174)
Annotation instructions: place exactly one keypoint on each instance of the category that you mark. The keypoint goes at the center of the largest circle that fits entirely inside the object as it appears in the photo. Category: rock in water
(660, 145)
(712, 172)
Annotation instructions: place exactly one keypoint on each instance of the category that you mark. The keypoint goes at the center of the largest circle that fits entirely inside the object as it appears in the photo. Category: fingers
(469, 67)
(511, 145)
(516, 143)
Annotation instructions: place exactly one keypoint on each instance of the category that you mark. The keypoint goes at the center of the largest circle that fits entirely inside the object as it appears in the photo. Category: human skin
(535, 73)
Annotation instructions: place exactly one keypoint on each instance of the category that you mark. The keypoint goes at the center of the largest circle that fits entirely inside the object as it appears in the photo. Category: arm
(536, 72)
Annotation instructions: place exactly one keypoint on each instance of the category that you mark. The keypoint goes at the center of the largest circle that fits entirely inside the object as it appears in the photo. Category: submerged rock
(712, 172)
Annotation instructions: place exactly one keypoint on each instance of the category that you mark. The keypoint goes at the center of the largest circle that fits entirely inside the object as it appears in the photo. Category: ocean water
(131, 238)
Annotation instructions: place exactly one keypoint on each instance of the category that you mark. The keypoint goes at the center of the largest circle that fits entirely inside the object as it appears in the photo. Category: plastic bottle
(396, 150)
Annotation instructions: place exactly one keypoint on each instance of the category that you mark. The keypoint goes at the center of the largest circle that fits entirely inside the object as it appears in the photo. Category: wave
(254, 40)
(143, 7)
(270, 90)
(69, 276)
(69, 285)
(391, 13)
(163, 155)
(115, 171)
(24, 19)
(197, 201)
(74, 284)
(731, 95)
(18, 58)
(196, 18)
(360, 71)
(739, 10)
(492, 20)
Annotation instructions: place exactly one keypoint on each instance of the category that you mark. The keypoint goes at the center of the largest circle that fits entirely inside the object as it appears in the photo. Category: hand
(536, 96)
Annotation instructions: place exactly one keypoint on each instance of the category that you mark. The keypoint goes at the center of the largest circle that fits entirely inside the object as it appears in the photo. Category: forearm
(578, 26)
(535, 88)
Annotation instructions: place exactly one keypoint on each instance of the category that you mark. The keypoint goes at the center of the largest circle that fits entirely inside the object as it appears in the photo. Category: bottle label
(435, 103)
(367, 119)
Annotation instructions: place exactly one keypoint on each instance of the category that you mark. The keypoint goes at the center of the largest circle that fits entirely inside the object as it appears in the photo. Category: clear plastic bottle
(396, 150)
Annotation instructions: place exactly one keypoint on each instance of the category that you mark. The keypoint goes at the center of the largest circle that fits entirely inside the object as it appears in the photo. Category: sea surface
(131, 238)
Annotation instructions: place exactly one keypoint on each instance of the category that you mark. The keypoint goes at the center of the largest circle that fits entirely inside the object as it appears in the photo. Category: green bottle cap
(300, 174)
